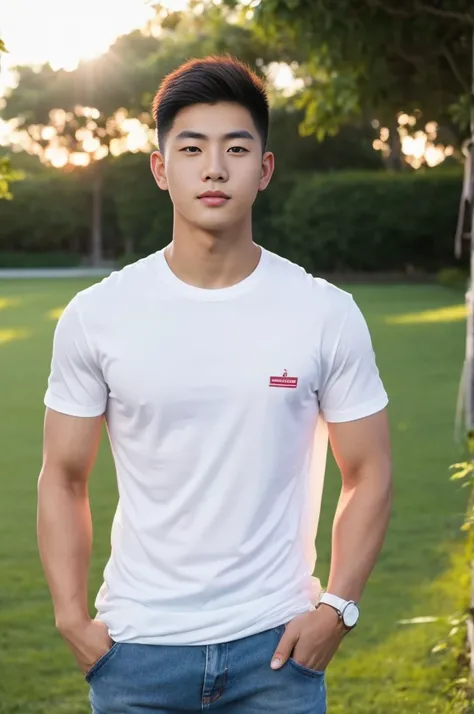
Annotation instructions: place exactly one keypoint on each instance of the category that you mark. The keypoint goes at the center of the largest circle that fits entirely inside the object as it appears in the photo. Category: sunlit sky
(62, 32)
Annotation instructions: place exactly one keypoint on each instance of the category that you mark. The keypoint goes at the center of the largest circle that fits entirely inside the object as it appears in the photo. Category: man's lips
(214, 198)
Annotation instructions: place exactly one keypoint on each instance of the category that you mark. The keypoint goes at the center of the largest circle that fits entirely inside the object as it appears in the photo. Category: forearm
(359, 528)
(65, 544)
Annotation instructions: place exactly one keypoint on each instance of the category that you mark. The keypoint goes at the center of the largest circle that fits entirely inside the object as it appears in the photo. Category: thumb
(284, 649)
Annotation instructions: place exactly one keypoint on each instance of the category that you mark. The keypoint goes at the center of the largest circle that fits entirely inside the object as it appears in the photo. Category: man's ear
(157, 164)
(268, 166)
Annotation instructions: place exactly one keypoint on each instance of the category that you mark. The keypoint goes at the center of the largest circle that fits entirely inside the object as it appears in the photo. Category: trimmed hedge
(50, 213)
(371, 221)
(40, 260)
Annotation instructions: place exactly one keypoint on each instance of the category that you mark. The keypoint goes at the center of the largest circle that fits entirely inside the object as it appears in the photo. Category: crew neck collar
(213, 294)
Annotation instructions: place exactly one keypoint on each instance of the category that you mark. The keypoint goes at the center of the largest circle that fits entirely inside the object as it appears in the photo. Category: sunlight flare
(56, 313)
(8, 302)
(455, 313)
(12, 335)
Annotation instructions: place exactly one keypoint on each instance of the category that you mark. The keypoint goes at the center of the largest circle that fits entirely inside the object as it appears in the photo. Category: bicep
(70, 444)
(360, 443)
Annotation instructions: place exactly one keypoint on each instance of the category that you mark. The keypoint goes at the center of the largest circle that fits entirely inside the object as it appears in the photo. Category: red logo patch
(284, 381)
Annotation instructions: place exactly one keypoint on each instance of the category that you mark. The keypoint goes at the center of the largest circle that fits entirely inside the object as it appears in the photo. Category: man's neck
(212, 261)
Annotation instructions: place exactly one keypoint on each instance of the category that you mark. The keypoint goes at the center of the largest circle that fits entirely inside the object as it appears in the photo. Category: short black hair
(210, 80)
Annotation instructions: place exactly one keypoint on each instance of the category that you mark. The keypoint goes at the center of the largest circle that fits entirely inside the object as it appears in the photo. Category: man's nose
(216, 170)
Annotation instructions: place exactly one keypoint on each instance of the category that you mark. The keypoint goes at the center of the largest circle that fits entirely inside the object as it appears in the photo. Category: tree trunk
(395, 161)
(128, 245)
(470, 320)
(97, 197)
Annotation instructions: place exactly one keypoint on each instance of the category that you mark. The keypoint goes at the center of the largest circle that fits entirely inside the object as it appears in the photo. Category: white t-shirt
(217, 403)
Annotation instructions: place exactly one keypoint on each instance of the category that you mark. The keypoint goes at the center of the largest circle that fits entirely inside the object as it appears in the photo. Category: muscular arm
(362, 452)
(64, 518)
(361, 449)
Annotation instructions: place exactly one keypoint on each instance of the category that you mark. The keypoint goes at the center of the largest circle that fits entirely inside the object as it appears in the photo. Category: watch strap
(338, 603)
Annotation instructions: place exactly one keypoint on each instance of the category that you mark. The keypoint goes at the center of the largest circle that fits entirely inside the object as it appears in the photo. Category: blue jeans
(229, 678)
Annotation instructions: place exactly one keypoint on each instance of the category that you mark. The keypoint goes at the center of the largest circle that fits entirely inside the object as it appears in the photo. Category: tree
(75, 120)
(373, 59)
(81, 140)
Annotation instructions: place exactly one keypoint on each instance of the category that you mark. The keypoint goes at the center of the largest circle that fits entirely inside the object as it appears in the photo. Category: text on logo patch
(284, 381)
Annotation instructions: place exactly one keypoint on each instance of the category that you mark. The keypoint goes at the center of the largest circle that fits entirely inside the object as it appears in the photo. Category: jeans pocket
(280, 629)
(100, 662)
(306, 670)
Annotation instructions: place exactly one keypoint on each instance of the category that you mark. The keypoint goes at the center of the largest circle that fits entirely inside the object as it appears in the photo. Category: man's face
(209, 149)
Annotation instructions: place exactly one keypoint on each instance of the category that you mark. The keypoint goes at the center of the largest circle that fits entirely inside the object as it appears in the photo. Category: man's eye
(191, 149)
(238, 150)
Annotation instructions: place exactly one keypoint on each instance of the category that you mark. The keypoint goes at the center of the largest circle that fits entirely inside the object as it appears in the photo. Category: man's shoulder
(121, 287)
(317, 291)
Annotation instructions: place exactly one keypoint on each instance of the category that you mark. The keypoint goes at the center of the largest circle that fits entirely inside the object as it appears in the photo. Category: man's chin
(214, 220)
(215, 226)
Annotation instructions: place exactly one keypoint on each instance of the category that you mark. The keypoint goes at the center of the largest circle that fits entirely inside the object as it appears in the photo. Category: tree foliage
(7, 174)
(375, 58)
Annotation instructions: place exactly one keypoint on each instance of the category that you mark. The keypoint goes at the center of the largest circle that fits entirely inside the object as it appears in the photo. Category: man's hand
(311, 639)
(88, 641)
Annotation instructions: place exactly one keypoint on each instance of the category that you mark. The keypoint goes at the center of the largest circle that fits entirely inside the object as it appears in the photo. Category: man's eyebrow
(240, 134)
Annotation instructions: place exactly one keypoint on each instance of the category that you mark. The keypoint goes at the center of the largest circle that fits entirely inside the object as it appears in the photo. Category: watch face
(350, 614)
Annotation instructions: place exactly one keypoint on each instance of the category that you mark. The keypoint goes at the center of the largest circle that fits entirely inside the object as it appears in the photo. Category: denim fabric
(229, 678)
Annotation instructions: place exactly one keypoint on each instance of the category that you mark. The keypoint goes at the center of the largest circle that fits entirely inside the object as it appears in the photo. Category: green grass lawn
(382, 666)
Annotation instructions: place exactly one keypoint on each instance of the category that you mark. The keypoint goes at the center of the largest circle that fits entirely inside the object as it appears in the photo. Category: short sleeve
(351, 387)
(76, 385)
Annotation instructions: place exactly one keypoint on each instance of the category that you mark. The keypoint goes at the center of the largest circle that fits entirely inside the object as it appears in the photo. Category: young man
(220, 368)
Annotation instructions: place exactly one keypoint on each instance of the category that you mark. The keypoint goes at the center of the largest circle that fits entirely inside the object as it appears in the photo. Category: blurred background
(372, 118)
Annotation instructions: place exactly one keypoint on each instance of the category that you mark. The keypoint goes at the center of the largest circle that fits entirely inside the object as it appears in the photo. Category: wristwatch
(348, 610)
